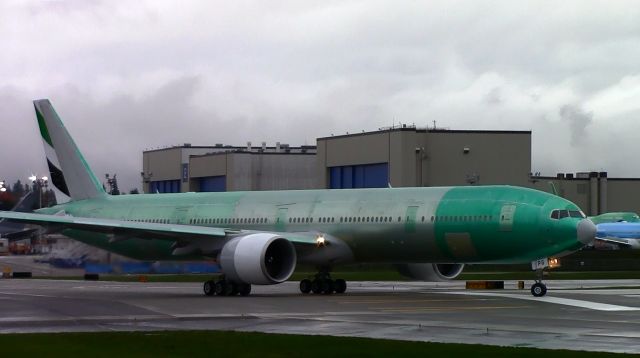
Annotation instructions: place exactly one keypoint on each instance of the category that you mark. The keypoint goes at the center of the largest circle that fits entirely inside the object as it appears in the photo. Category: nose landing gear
(539, 289)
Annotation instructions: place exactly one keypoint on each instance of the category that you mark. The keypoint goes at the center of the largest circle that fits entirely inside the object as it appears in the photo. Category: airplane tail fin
(70, 173)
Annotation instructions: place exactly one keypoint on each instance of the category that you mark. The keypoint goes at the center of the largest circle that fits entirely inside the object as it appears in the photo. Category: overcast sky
(130, 75)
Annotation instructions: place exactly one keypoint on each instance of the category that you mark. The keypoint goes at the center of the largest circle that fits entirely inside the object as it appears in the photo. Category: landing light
(554, 263)
(320, 241)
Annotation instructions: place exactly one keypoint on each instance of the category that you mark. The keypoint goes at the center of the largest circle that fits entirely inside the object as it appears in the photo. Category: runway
(573, 315)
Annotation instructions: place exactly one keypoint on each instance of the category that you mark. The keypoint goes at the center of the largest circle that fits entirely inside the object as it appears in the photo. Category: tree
(17, 189)
(49, 198)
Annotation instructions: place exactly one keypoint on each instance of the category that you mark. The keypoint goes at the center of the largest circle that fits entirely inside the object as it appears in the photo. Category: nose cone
(586, 231)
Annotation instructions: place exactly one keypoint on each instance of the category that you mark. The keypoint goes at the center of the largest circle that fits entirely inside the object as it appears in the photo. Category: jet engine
(260, 259)
(430, 272)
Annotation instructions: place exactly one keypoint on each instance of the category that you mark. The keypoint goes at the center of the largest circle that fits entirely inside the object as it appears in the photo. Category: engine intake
(260, 259)
(430, 272)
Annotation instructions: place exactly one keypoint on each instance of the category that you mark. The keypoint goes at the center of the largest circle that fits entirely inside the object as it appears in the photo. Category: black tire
(538, 289)
(220, 288)
(327, 286)
(305, 286)
(235, 289)
(244, 289)
(315, 286)
(340, 285)
(228, 289)
(209, 288)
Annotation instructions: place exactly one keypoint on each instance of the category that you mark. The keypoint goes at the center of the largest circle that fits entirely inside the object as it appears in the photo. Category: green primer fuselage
(476, 224)
(615, 217)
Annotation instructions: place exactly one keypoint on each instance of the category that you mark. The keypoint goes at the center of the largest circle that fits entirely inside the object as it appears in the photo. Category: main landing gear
(322, 283)
(223, 287)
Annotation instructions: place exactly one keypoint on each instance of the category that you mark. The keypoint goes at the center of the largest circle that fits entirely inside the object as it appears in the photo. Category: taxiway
(596, 315)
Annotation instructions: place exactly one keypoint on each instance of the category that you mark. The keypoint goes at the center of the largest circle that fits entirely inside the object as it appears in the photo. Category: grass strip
(239, 344)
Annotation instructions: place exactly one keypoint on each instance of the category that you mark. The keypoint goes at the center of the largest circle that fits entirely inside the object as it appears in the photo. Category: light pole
(39, 183)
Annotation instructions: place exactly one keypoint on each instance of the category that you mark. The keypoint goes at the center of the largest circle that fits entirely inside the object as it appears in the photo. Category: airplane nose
(586, 231)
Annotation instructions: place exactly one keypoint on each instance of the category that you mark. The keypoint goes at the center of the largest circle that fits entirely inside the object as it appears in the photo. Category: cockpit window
(577, 214)
(561, 214)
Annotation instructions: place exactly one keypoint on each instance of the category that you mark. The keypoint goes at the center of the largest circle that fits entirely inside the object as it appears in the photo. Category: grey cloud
(493, 97)
(578, 121)
(126, 76)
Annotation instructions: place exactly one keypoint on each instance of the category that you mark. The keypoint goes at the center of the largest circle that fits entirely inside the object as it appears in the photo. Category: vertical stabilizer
(70, 173)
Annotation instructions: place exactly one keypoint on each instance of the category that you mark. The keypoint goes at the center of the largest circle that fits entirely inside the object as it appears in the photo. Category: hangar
(188, 168)
(399, 156)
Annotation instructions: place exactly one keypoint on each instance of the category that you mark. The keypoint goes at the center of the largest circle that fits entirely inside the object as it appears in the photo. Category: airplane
(615, 217)
(622, 229)
(16, 231)
(623, 234)
(258, 238)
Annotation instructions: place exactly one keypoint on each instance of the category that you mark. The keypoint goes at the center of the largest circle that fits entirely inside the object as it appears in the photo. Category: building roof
(412, 128)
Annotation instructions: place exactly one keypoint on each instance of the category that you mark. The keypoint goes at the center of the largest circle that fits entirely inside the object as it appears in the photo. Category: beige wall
(495, 158)
(162, 165)
(623, 195)
(576, 190)
(207, 166)
(247, 171)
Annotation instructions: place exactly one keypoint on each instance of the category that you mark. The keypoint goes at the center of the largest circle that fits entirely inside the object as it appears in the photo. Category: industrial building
(400, 156)
(594, 192)
(407, 156)
(189, 168)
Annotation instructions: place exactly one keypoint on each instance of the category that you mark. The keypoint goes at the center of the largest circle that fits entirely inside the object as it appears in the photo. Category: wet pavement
(581, 315)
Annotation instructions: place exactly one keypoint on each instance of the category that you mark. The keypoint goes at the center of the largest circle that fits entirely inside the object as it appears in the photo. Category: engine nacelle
(259, 259)
(430, 272)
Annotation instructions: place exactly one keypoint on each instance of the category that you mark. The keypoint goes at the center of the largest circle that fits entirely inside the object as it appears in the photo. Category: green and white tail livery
(70, 173)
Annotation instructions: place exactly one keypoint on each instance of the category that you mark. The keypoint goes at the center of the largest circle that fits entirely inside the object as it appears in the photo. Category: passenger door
(507, 214)
(410, 219)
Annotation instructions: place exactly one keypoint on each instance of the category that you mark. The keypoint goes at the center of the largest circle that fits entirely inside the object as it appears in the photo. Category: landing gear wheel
(221, 288)
(305, 286)
(327, 286)
(244, 289)
(538, 289)
(209, 288)
(316, 286)
(228, 289)
(234, 289)
(340, 285)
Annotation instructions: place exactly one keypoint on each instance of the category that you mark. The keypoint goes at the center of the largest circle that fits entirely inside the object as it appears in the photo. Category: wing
(629, 243)
(119, 228)
(187, 238)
